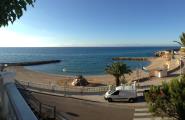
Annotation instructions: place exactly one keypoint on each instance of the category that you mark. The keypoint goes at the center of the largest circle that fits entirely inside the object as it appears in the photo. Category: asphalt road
(74, 109)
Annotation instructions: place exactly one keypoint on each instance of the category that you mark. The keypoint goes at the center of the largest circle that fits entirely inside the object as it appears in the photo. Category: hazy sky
(97, 23)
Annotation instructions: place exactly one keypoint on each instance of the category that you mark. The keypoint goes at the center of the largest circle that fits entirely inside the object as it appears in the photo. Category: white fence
(64, 88)
(73, 90)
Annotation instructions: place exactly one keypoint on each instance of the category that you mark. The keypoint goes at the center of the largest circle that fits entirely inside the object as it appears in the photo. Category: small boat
(145, 69)
(64, 69)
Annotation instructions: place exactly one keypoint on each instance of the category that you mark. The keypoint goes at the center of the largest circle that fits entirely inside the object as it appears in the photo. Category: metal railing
(15, 106)
(41, 110)
(64, 89)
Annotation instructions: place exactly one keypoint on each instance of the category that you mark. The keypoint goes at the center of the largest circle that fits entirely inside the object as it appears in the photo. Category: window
(116, 93)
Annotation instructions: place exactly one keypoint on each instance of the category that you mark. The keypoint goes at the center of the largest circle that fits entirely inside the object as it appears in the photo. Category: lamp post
(181, 59)
(138, 73)
(180, 65)
(65, 84)
(65, 88)
(180, 68)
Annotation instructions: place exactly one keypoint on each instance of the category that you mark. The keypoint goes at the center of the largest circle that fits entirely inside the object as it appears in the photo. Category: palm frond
(178, 43)
(182, 38)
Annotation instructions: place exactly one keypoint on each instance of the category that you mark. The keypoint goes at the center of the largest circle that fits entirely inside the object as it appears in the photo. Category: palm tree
(118, 70)
(182, 40)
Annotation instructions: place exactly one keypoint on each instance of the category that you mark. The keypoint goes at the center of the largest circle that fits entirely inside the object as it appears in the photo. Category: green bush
(168, 100)
(182, 49)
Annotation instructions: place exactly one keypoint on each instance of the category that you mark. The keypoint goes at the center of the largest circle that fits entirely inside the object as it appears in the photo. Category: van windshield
(111, 91)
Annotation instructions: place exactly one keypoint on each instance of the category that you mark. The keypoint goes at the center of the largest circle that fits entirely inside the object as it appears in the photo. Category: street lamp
(138, 71)
(181, 59)
(180, 65)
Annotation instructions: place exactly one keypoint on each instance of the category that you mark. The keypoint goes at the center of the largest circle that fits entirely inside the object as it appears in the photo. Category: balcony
(12, 105)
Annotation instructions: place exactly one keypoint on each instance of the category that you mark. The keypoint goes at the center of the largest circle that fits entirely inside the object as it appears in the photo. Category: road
(74, 109)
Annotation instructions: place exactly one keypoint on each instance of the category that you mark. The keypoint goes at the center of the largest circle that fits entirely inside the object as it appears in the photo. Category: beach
(28, 75)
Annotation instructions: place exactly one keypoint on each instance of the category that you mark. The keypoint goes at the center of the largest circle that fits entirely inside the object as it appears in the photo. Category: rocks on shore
(80, 81)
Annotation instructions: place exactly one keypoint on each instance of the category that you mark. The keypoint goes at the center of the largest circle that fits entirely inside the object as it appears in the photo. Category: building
(160, 73)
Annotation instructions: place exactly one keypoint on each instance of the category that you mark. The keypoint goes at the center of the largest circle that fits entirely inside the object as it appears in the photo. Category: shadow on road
(140, 99)
(72, 114)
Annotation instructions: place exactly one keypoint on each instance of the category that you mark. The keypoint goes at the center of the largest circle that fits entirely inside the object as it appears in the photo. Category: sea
(77, 60)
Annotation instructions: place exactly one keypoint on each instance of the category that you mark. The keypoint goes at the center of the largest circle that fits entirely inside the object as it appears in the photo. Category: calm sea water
(80, 60)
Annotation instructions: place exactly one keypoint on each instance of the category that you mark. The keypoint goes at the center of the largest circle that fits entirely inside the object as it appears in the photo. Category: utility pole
(65, 88)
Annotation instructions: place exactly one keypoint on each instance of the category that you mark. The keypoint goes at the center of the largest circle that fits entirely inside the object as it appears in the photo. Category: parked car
(123, 92)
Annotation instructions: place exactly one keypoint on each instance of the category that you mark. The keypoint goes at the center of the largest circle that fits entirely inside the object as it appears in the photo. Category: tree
(182, 40)
(118, 70)
(169, 99)
(10, 10)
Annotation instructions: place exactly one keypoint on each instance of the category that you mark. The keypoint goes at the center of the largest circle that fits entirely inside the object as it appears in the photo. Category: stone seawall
(133, 58)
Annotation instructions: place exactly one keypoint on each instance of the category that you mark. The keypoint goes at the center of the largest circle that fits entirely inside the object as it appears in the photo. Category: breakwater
(133, 58)
(32, 63)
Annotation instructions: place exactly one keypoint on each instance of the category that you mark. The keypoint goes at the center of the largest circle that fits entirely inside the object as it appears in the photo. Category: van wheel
(109, 99)
(131, 100)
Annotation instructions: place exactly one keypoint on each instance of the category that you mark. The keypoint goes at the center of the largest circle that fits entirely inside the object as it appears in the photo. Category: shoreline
(26, 74)
(62, 75)
(149, 60)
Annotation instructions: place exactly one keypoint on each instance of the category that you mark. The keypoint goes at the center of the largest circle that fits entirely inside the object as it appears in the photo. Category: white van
(123, 92)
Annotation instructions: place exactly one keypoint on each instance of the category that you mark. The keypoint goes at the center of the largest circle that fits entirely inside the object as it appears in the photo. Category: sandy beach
(24, 74)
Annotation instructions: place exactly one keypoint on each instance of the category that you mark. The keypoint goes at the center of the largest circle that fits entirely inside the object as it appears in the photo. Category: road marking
(144, 114)
(141, 109)
(148, 118)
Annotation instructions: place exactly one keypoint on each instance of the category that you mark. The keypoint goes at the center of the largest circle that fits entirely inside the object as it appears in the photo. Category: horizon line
(87, 46)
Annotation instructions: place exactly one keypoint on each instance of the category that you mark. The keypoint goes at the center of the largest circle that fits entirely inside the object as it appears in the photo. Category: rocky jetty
(31, 63)
(132, 58)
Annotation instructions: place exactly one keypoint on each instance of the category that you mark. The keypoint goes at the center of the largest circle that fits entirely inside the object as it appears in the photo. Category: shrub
(168, 100)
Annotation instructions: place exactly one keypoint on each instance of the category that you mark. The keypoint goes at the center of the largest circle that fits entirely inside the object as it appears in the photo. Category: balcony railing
(13, 106)
(41, 110)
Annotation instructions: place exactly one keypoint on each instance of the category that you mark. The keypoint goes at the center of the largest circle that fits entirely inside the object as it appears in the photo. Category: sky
(69, 23)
